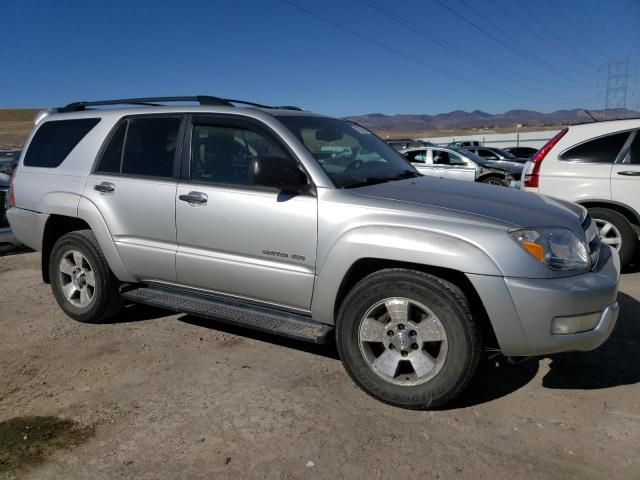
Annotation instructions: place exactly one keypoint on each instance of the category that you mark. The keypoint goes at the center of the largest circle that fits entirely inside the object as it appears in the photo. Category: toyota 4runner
(306, 226)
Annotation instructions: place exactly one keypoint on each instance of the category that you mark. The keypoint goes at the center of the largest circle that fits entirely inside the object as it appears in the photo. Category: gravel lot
(156, 396)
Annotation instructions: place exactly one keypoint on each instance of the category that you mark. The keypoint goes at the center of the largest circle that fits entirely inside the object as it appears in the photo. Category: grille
(593, 240)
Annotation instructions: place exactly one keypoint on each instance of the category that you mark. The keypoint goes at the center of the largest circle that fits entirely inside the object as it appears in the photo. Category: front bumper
(522, 311)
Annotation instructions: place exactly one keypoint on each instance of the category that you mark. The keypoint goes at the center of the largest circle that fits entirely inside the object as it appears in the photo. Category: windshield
(503, 153)
(471, 156)
(351, 155)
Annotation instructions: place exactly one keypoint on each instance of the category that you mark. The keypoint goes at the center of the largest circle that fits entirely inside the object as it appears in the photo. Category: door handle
(104, 187)
(197, 198)
(630, 173)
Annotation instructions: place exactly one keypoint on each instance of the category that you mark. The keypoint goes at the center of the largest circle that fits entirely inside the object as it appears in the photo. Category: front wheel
(81, 280)
(493, 180)
(408, 338)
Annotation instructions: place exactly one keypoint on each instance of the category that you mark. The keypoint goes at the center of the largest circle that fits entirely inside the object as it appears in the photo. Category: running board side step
(257, 317)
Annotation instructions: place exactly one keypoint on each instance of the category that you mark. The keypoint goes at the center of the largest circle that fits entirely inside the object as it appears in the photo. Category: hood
(511, 167)
(502, 204)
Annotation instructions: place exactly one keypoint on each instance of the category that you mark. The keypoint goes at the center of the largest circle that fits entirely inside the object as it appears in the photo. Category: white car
(598, 166)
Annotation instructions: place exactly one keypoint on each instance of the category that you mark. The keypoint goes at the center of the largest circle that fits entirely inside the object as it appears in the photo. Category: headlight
(558, 248)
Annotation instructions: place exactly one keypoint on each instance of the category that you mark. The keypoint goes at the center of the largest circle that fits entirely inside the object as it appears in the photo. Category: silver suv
(307, 226)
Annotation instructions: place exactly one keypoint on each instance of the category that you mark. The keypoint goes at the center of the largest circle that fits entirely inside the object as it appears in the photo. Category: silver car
(306, 226)
(459, 164)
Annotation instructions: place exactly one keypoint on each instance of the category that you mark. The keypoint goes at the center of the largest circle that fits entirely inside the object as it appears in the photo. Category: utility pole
(617, 88)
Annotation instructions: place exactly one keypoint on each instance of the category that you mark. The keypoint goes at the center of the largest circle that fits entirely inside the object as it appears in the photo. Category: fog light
(575, 324)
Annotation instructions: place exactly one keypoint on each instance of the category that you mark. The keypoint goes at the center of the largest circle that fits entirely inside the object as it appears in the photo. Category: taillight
(12, 198)
(532, 172)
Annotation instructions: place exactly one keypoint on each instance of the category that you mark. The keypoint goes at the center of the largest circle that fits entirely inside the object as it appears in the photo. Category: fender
(396, 244)
(88, 212)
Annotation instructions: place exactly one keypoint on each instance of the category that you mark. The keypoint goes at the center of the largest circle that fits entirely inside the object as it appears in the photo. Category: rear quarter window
(54, 140)
(600, 150)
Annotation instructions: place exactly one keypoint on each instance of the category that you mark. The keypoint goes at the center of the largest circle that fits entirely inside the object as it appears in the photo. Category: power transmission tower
(617, 86)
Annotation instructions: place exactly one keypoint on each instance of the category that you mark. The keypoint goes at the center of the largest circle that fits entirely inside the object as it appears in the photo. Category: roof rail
(154, 102)
(149, 101)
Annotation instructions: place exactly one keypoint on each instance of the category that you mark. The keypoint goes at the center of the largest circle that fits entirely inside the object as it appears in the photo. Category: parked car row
(461, 164)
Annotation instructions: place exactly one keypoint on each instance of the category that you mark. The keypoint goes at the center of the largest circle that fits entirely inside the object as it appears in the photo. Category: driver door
(234, 237)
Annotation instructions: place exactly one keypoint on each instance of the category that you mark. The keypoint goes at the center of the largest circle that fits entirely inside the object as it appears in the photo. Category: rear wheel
(81, 281)
(616, 231)
(408, 338)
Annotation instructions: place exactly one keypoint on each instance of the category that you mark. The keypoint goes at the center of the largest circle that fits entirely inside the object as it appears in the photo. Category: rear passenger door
(134, 187)
(234, 237)
(625, 175)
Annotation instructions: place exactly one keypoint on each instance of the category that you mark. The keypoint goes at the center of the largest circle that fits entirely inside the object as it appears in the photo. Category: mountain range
(460, 119)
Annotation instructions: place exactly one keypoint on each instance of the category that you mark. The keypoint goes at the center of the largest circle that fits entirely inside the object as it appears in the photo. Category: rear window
(54, 140)
(600, 150)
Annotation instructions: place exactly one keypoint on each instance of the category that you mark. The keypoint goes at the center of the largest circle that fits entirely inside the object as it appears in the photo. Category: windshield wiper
(375, 180)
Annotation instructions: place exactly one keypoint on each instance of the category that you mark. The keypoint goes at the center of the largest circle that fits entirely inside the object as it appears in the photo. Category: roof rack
(154, 102)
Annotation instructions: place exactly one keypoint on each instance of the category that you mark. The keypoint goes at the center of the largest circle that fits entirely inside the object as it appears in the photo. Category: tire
(628, 239)
(494, 180)
(455, 357)
(96, 304)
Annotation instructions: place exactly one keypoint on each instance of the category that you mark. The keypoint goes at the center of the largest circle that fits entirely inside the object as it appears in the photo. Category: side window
(634, 151)
(418, 156)
(440, 157)
(221, 154)
(111, 160)
(150, 146)
(54, 140)
(601, 150)
(456, 159)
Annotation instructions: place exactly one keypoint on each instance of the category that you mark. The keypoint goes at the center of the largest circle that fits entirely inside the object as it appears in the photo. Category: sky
(335, 57)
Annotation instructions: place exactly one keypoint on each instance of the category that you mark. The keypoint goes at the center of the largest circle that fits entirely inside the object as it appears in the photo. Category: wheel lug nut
(414, 346)
(404, 353)
(391, 346)
(413, 333)
(401, 327)
(390, 333)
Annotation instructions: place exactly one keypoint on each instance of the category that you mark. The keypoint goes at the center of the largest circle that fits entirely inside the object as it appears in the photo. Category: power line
(445, 44)
(550, 30)
(502, 42)
(401, 54)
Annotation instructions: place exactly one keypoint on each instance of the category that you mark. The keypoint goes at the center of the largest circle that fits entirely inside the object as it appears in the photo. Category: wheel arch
(629, 213)
(364, 267)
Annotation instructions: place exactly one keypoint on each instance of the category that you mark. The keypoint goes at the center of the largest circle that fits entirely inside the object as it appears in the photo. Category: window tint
(601, 150)
(223, 154)
(150, 146)
(634, 151)
(54, 140)
(112, 155)
(483, 152)
(418, 156)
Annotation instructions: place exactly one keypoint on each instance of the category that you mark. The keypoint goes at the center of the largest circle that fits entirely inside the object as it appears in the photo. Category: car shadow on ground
(327, 350)
(615, 363)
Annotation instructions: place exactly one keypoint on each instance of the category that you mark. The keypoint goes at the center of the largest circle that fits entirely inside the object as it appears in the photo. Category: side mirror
(270, 171)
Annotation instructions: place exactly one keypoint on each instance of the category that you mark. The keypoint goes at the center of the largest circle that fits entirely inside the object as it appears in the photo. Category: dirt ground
(173, 396)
